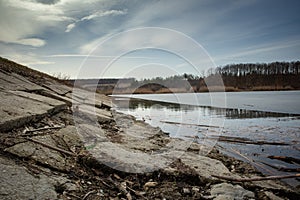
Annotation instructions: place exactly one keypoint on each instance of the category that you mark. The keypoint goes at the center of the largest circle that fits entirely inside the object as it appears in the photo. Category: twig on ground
(51, 147)
(72, 195)
(42, 129)
(88, 194)
(136, 192)
(256, 178)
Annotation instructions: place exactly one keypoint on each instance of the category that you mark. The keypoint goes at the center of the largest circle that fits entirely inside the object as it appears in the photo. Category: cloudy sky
(125, 38)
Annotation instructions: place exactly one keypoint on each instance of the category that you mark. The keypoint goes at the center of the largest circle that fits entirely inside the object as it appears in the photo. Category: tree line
(235, 77)
(274, 68)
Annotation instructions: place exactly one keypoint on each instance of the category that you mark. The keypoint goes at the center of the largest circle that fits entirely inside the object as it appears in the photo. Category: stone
(40, 153)
(17, 183)
(204, 166)
(70, 136)
(186, 190)
(16, 110)
(229, 191)
(272, 196)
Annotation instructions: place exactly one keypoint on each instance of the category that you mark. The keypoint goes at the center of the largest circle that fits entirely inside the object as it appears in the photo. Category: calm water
(272, 117)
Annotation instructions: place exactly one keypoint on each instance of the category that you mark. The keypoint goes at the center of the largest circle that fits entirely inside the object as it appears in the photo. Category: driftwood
(51, 147)
(256, 178)
(244, 140)
(285, 159)
(180, 123)
(283, 169)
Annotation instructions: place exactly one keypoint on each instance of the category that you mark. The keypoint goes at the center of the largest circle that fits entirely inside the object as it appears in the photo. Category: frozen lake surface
(247, 125)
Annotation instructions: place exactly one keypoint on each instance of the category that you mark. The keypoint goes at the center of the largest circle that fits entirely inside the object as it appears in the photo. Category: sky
(134, 38)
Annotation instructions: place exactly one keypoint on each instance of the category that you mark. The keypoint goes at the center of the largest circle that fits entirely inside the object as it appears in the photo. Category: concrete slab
(205, 167)
(17, 110)
(40, 98)
(12, 81)
(90, 98)
(228, 191)
(40, 153)
(17, 183)
(58, 88)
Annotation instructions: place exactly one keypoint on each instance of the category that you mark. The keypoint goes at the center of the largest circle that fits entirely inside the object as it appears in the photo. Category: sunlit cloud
(96, 15)
(35, 42)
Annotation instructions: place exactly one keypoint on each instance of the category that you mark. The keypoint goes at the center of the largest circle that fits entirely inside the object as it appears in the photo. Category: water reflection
(133, 104)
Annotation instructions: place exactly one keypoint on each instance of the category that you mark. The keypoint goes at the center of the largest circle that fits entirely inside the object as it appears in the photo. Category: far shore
(202, 90)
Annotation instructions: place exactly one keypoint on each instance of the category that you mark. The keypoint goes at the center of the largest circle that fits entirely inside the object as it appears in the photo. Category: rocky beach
(58, 142)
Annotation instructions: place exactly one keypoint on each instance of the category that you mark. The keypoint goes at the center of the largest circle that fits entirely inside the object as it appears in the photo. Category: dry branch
(285, 159)
(42, 129)
(89, 193)
(180, 123)
(51, 147)
(256, 178)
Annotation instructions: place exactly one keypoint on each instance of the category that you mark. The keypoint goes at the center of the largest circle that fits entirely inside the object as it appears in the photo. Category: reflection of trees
(206, 110)
(242, 114)
(139, 103)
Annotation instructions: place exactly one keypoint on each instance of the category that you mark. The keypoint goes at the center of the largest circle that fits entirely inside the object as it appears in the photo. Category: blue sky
(112, 38)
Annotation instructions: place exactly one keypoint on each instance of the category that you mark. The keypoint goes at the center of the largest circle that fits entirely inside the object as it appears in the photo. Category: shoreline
(178, 90)
(56, 144)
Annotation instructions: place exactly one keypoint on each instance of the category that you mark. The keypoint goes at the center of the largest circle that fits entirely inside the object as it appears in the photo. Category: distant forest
(273, 76)
(232, 77)
(235, 77)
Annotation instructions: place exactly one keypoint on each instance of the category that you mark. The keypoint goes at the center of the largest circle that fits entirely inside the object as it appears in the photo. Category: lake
(250, 126)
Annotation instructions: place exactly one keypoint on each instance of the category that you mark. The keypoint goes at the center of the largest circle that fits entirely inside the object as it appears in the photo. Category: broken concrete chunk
(58, 88)
(17, 183)
(16, 110)
(14, 81)
(70, 136)
(229, 191)
(204, 166)
(40, 153)
(272, 196)
(40, 98)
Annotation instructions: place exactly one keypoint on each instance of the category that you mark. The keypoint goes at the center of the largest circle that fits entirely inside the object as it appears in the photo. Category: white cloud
(70, 27)
(35, 42)
(95, 56)
(21, 20)
(96, 15)
(26, 59)
(257, 50)
(104, 13)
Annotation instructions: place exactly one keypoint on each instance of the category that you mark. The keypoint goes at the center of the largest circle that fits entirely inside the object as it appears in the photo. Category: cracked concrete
(41, 154)
(17, 183)
(19, 109)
